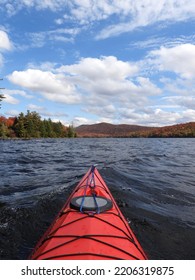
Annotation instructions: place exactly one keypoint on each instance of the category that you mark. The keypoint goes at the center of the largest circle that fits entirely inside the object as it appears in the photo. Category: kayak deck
(90, 226)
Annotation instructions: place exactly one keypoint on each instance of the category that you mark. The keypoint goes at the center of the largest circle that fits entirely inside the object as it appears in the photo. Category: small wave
(152, 181)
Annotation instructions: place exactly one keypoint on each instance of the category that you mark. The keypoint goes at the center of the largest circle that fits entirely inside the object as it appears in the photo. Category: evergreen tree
(49, 130)
(3, 130)
(43, 129)
(30, 125)
(71, 131)
(19, 126)
(59, 129)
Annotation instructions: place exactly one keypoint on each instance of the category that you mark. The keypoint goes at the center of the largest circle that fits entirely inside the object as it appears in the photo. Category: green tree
(43, 129)
(71, 131)
(3, 130)
(49, 129)
(59, 129)
(33, 124)
(19, 126)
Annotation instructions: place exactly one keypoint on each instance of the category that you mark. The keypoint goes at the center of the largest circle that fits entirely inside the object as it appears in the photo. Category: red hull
(94, 232)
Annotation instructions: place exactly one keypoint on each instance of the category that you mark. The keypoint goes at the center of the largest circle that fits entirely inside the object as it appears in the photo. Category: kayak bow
(89, 226)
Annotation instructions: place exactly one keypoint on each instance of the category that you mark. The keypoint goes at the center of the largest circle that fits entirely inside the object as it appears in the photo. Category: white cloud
(39, 39)
(178, 86)
(81, 120)
(100, 79)
(105, 67)
(44, 112)
(179, 59)
(53, 87)
(188, 115)
(44, 66)
(187, 102)
(168, 42)
(13, 7)
(141, 13)
(9, 98)
(113, 89)
(5, 43)
(156, 117)
(34, 107)
(100, 85)
(129, 15)
(12, 113)
(59, 21)
(52, 5)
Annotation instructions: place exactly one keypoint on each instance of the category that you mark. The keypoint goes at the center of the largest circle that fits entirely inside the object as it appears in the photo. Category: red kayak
(89, 227)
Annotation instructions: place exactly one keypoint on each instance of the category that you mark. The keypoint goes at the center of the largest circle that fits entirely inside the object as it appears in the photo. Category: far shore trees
(30, 125)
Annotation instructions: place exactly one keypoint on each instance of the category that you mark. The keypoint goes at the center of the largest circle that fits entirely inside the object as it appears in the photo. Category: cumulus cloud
(107, 83)
(101, 86)
(5, 43)
(179, 59)
(53, 87)
(106, 76)
(112, 89)
(110, 66)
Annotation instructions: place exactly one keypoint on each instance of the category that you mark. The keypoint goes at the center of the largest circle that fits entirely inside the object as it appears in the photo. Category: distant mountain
(125, 130)
(109, 130)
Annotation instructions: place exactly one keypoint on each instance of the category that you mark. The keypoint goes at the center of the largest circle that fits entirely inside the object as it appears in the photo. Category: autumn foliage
(110, 130)
(178, 130)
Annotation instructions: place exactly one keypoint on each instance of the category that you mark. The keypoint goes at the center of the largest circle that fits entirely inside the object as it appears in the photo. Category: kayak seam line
(83, 254)
(117, 208)
(132, 240)
(86, 216)
(97, 217)
(87, 237)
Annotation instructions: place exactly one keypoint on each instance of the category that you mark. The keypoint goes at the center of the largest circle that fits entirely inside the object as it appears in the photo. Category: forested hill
(178, 130)
(110, 130)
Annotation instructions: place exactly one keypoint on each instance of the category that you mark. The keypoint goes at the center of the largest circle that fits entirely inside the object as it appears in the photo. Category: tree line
(30, 125)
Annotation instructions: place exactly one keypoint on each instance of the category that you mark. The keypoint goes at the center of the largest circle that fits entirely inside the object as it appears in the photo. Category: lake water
(152, 180)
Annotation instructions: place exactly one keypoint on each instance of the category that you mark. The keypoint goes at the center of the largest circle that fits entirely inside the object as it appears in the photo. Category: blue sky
(90, 61)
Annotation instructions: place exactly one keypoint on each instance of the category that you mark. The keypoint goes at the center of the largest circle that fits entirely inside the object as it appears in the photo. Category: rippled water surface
(152, 180)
